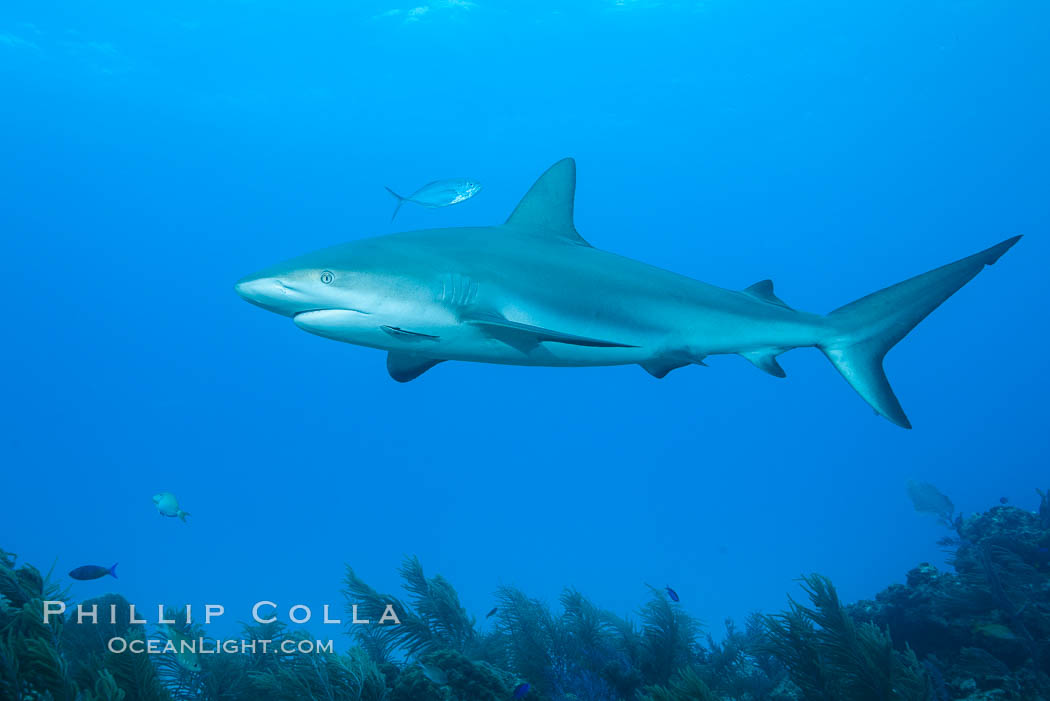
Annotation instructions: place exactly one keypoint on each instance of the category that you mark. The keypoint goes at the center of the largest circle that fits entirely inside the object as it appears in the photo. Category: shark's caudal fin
(863, 331)
(400, 201)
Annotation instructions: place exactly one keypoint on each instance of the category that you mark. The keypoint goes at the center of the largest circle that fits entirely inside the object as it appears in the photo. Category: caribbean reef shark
(532, 291)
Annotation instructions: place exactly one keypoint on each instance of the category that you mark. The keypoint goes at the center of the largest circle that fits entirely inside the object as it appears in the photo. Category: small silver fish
(434, 674)
(440, 193)
(168, 505)
(185, 654)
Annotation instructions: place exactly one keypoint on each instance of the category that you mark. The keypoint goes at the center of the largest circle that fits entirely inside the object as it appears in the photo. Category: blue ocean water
(152, 155)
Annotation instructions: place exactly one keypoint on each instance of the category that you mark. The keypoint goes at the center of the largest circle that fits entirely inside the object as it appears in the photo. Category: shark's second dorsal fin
(763, 290)
(546, 209)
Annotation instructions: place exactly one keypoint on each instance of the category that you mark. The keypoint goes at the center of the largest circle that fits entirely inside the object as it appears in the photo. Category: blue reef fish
(1003, 500)
(532, 291)
(168, 505)
(672, 594)
(520, 690)
(440, 193)
(492, 613)
(88, 572)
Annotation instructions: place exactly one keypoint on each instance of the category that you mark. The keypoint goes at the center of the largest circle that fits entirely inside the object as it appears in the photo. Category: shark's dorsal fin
(546, 209)
(763, 290)
(404, 367)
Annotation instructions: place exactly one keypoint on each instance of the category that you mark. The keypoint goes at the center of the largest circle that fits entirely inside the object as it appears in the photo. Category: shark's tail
(400, 201)
(863, 331)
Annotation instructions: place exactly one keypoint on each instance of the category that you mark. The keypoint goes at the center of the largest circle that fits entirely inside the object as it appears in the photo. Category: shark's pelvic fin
(525, 337)
(406, 335)
(546, 209)
(659, 367)
(766, 360)
(405, 367)
(861, 333)
(763, 290)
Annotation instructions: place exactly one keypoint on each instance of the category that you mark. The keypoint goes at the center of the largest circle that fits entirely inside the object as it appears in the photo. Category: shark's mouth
(332, 323)
(335, 311)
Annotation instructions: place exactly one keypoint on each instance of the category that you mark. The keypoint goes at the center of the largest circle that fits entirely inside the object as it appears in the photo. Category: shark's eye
(327, 277)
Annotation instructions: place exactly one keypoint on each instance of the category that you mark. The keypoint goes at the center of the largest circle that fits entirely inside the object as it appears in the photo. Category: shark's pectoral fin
(763, 290)
(406, 335)
(766, 359)
(405, 367)
(659, 367)
(525, 337)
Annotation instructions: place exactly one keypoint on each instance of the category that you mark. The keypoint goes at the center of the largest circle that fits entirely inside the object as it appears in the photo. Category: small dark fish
(93, 572)
(520, 690)
(1003, 500)
(492, 613)
(672, 594)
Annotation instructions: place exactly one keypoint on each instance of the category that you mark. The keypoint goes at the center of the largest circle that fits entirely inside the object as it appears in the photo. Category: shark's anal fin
(525, 337)
(405, 367)
(546, 209)
(406, 335)
(766, 360)
(763, 290)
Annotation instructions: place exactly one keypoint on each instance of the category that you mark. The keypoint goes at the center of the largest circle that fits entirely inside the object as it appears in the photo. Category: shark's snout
(270, 293)
(249, 288)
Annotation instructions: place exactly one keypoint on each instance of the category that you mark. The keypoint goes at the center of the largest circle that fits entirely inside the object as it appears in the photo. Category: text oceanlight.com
(204, 646)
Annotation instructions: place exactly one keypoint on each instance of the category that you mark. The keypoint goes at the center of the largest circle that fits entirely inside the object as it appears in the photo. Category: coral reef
(829, 655)
(980, 631)
(467, 680)
(983, 631)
